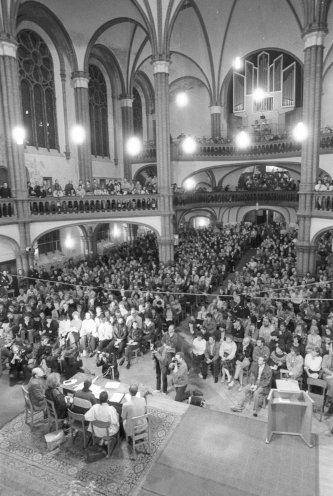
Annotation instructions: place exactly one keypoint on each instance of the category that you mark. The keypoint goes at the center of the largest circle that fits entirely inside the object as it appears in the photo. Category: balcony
(70, 208)
(227, 151)
(227, 198)
(323, 203)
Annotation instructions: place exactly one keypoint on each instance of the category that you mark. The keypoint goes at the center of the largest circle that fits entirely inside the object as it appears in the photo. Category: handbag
(94, 453)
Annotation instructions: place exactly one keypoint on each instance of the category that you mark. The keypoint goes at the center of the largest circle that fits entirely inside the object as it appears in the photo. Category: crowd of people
(263, 181)
(264, 321)
(93, 187)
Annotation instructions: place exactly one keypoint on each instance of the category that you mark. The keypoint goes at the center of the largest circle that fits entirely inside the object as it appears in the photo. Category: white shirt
(105, 413)
(199, 346)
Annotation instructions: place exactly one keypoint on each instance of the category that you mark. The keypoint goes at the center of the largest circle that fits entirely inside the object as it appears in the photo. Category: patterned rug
(28, 468)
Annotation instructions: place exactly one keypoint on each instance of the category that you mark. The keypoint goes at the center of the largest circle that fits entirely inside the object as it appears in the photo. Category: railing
(92, 204)
(225, 151)
(227, 197)
(323, 201)
(7, 209)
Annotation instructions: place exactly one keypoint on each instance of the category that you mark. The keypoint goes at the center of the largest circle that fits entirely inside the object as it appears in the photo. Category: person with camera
(108, 361)
(179, 372)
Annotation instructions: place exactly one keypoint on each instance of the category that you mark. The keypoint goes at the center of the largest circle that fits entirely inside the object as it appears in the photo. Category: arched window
(137, 113)
(37, 90)
(98, 112)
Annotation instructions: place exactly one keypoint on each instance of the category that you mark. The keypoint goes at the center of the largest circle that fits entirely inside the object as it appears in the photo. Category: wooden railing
(239, 197)
(225, 151)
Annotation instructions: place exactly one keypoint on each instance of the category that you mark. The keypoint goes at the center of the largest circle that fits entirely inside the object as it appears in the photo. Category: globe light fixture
(300, 132)
(133, 146)
(78, 134)
(19, 135)
(258, 94)
(189, 145)
(182, 99)
(69, 242)
(237, 63)
(189, 184)
(243, 139)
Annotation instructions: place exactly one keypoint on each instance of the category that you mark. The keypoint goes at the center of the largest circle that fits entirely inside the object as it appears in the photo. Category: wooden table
(99, 383)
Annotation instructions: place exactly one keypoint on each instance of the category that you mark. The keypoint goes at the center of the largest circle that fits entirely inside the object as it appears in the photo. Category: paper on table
(112, 385)
(95, 390)
(78, 387)
(116, 397)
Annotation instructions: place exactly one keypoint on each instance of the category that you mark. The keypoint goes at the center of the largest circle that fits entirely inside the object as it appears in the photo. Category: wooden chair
(317, 392)
(140, 436)
(77, 423)
(52, 415)
(109, 439)
(30, 408)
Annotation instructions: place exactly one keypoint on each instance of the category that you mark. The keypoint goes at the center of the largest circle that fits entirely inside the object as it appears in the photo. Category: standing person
(161, 361)
(198, 352)
(134, 407)
(228, 351)
(179, 373)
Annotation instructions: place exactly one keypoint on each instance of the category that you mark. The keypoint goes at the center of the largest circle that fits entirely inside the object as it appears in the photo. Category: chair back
(51, 409)
(317, 390)
(139, 429)
(101, 425)
(76, 420)
(26, 396)
(81, 405)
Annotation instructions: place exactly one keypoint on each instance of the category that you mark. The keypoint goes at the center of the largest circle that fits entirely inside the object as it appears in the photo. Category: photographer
(179, 373)
(107, 360)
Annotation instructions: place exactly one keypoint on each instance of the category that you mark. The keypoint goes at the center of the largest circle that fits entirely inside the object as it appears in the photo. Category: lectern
(289, 412)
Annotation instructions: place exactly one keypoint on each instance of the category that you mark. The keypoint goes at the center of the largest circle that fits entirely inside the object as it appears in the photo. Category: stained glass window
(98, 112)
(37, 90)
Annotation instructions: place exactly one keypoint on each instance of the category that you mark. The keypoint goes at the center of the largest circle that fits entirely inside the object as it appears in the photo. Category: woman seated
(53, 393)
(228, 351)
(313, 340)
(277, 361)
(243, 360)
(312, 364)
(294, 363)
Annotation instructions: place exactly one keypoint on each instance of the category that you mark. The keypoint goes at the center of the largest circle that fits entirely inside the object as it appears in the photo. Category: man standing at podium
(259, 386)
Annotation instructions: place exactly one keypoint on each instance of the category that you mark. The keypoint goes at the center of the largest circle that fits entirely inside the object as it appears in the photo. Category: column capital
(215, 109)
(80, 79)
(161, 66)
(314, 38)
(8, 48)
(126, 101)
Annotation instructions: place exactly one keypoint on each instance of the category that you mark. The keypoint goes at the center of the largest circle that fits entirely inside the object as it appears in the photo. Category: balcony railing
(93, 204)
(225, 151)
(323, 202)
(235, 197)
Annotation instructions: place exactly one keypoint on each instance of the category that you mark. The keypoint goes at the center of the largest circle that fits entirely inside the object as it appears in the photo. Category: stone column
(126, 105)
(11, 115)
(313, 69)
(80, 83)
(215, 116)
(161, 76)
(10, 112)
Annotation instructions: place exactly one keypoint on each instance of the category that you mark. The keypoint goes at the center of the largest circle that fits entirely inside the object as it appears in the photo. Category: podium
(289, 412)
